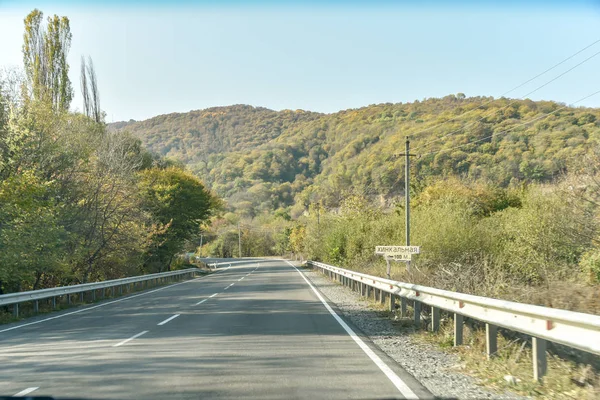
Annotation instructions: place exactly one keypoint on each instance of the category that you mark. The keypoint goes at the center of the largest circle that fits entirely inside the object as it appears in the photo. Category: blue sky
(160, 57)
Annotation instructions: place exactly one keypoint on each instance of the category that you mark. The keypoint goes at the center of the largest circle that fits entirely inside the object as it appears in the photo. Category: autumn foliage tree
(79, 203)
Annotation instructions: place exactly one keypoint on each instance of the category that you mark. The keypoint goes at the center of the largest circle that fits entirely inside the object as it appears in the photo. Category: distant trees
(276, 157)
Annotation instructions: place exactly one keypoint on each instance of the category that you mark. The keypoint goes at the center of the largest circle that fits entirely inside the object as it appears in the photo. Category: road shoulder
(433, 368)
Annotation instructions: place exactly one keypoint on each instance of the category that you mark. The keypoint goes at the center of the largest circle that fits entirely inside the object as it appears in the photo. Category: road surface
(255, 330)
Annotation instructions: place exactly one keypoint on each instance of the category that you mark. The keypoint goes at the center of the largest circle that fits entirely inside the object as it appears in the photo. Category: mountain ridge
(261, 160)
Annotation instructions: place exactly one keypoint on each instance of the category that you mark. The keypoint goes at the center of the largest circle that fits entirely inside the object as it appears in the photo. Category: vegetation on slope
(322, 158)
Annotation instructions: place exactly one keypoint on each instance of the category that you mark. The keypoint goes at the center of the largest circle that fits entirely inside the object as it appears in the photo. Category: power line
(514, 127)
(513, 89)
(551, 68)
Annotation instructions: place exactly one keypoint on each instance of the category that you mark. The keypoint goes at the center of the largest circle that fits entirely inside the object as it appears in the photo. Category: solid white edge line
(395, 379)
(26, 391)
(106, 304)
(130, 339)
(168, 319)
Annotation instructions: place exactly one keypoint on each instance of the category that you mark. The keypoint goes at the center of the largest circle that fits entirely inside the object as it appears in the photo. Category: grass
(565, 379)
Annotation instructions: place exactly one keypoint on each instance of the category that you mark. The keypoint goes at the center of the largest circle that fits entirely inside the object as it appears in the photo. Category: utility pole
(407, 156)
(318, 213)
(239, 241)
(201, 239)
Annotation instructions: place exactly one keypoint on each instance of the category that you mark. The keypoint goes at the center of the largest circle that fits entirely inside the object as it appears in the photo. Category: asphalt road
(255, 330)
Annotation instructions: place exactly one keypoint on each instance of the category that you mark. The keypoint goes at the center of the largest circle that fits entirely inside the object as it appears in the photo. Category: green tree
(180, 203)
(45, 50)
(31, 237)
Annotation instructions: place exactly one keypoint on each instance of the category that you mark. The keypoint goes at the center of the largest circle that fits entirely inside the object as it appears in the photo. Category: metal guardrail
(125, 283)
(573, 329)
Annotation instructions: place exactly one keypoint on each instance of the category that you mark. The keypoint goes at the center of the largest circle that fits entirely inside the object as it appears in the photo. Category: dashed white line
(241, 278)
(209, 297)
(229, 286)
(130, 339)
(107, 303)
(395, 379)
(168, 319)
(26, 391)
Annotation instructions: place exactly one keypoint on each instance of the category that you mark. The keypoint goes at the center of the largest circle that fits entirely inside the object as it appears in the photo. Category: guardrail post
(36, 306)
(112, 291)
(403, 307)
(368, 290)
(539, 358)
(491, 339)
(458, 329)
(382, 296)
(16, 309)
(435, 319)
(94, 295)
(392, 303)
(102, 293)
(69, 299)
(81, 297)
(54, 302)
(417, 310)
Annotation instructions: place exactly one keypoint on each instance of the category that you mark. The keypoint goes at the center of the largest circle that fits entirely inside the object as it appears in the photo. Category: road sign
(397, 250)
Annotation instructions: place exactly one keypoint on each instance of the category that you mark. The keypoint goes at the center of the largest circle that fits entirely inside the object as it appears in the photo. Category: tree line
(78, 202)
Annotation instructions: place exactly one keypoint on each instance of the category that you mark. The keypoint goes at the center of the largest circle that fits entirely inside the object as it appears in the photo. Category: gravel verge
(428, 364)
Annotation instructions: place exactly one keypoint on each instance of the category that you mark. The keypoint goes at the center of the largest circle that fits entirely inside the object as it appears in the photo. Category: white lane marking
(241, 278)
(26, 391)
(168, 319)
(395, 379)
(130, 339)
(209, 297)
(106, 304)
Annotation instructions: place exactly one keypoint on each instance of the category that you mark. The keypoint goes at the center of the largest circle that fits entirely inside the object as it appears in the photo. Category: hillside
(193, 136)
(263, 160)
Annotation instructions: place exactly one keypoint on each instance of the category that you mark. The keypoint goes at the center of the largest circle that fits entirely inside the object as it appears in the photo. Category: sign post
(397, 253)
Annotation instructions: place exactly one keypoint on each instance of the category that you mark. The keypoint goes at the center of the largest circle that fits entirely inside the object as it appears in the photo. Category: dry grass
(564, 380)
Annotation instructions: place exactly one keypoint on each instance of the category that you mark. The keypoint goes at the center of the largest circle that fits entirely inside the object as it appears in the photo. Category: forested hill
(263, 160)
(193, 136)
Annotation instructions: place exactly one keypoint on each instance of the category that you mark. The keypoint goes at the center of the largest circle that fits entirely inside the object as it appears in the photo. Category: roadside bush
(475, 239)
